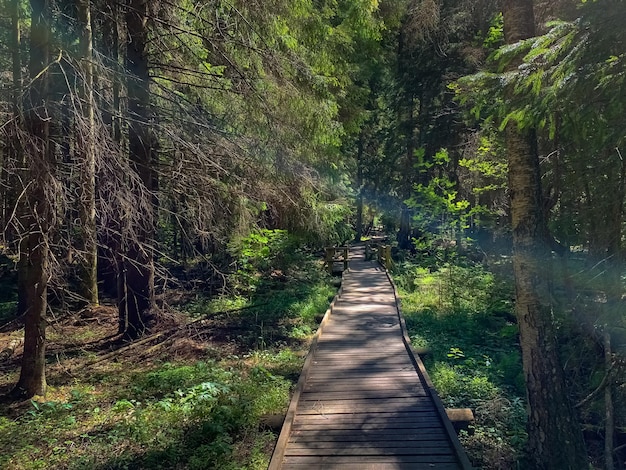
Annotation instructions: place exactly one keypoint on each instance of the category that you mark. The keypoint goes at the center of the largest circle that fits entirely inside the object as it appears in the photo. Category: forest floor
(208, 388)
(205, 389)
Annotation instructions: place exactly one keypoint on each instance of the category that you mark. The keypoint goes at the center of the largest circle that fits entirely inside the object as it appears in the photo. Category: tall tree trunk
(16, 54)
(614, 291)
(33, 268)
(404, 232)
(554, 437)
(87, 161)
(136, 303)
(359, 183)
(13, 163)
(111, 22)
(609, 408)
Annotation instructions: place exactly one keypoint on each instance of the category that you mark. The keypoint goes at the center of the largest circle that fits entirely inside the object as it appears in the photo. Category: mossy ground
(194, 396)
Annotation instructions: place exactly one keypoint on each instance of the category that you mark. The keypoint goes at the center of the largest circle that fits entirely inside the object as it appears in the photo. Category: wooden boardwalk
(364, 400)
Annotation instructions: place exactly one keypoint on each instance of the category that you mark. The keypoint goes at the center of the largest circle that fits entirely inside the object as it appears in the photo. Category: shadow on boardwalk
(363, 400)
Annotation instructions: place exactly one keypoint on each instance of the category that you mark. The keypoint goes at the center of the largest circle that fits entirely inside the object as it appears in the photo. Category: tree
(359, 189)
(88, 238)
(13, 156)
(37, 211)
(136, 274)
(555, 439)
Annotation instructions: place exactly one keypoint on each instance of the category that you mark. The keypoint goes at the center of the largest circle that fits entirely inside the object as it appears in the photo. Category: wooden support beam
(460, 418)
(338, 254)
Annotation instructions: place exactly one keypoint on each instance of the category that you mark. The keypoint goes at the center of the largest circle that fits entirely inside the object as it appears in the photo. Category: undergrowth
(202, 409)
(196, 416)
(463, 316)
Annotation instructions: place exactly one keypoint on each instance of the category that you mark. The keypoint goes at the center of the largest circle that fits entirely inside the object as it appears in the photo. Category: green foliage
(7, 311)
(285, 303)
(173, 413)
(495, 36)
(181, 414)
(559, 71)
(263, 249)
(325, 222)
(463, 315)
(485, 162)
(437, 207)
(259, 255)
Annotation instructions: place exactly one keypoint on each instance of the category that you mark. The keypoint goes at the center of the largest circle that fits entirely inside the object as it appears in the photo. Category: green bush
(462, 314)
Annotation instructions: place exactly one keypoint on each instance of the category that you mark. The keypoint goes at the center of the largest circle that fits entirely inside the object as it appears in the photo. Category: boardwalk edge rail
(417, 362)
(281, 444)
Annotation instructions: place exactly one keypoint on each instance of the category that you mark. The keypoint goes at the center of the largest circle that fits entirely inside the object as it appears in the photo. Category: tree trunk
(359, 184)
(33, 271)
(111, 42)
(13, 163)
(554, 437)
(136, 302)
(88, 270)
(404, 232)
(404, 238)
(609, 409)
(613, 315)
(16, 55)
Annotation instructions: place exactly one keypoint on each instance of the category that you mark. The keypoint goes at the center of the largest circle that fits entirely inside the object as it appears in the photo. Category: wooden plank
(345, 386)
(339, 420)
(405, 377)
(360, 435)
(391, 403)
(335, 375)
(298, 447)
(336, 358)
(376, 466)
(320, 409)
(339, 390)
(341, 354)
(428, 424)
(327, 460)
(359, 380)
(380, 342)
(367, 382)
(387, 365)
(389, 369)
(357, 395)
(368, 417)
(362, 393)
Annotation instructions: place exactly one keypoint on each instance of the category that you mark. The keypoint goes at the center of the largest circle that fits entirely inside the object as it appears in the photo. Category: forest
(171, 171)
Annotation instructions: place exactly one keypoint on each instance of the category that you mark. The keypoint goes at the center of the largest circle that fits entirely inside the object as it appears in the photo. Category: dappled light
(200, 199)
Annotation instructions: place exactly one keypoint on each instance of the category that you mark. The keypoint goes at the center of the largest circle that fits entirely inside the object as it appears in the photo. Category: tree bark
(613, 315)
(33, 270)
(13, 163)
(136, 300)
(554, 436)
(404, 232)
(88, 270)
(609, 408)
(359, 183)
(16, 55)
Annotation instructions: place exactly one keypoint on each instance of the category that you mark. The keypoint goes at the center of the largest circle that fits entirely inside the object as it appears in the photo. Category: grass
(175, 415)
(191, 401)
(463, 315)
